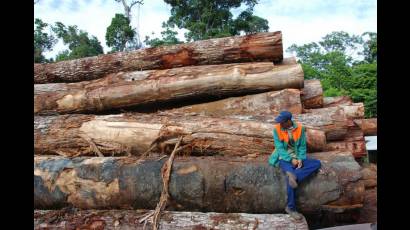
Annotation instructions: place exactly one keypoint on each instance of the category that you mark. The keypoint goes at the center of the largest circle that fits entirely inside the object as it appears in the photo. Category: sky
(301, 21)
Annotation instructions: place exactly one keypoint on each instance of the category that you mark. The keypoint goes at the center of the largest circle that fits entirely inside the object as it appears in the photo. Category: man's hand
(295, 162)
(300, 164)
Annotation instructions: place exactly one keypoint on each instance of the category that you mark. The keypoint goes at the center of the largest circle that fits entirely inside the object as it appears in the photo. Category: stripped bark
(123, 90)
(270, 103)
(249, 48)
(312, 94)
(136, 133)
(217, 184)
(368, 126)
(334, 101)
(126, 219)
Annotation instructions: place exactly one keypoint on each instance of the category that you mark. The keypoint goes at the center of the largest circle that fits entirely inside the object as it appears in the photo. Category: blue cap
(283, 116)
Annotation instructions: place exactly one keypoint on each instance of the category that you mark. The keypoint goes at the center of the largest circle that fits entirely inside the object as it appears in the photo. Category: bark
(368, 214)
(249, 48)
(74, 135)
(124, 90)
(334, 101)
(368, 126)
(312, 94)
(211, 184)
(129, 219)
(369, 175)
(270, 103)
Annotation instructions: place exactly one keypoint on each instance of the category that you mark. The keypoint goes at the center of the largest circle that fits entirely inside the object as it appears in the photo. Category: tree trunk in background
(334, 101)
(368, 126)
(211, 184)
(270, 103)
(128, 219)
(249, 48)
(312, 94)
(74, 135)
(123, 90)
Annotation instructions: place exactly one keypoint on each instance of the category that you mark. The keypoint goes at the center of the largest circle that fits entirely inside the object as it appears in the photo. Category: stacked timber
(106, 128)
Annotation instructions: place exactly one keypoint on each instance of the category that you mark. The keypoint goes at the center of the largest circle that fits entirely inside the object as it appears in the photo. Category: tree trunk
(368, 126)
(270, 103)
(249, 48)
(312, 94)
(334, 101)
(129, 219)
(210, 184)
(141, 87)
(73, 135)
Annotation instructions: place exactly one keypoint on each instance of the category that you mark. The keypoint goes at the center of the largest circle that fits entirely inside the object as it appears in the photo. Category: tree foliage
(205, 19)
(343, 70)
(119, 32)
(42, 41)
(168, 37)
(80, 44)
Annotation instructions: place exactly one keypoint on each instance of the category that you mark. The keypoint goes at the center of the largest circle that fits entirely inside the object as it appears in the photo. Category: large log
(312, 94)
(129, 219)
(206, 184)
(123, 90)
(334, 101)
(120, 134)
(249, 48)
(270, 103)
(332, 120)
(368, 126)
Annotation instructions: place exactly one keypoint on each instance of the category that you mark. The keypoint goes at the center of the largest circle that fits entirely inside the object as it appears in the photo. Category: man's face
(287, 124)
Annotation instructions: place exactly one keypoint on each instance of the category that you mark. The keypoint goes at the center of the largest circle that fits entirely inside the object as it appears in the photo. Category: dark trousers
(309, 167)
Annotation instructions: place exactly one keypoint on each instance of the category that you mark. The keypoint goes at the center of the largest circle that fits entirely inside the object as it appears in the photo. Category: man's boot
(295, 215)
(292, 180)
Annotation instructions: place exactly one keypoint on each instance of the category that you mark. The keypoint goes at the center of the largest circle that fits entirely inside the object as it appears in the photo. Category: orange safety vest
(283, 135)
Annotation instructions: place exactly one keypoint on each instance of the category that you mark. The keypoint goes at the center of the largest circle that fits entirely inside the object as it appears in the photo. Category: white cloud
(300, 21)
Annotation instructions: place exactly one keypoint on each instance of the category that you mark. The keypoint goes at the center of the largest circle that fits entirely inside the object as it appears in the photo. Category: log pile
(104, 127)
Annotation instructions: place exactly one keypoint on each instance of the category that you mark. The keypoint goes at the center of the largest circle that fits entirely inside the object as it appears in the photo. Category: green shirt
(285, 151)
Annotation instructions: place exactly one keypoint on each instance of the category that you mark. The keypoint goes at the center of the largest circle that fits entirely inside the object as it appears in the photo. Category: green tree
(370, 47)
(168, 37)
(42, 41)
(332, 61)
(78, 41)
(206, 19)
(119, 32)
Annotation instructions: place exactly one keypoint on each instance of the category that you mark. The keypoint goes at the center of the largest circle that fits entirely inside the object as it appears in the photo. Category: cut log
(73, 135)
(207, 184)
(138, 88)
(249, 48)
(128, 219)
(312, 94)
(368, 214)
(330, 120)
(270, 103)
(357, 148)
(287, 61)
(354, 110)
(368, 126)
(334, 101)
(369, 175)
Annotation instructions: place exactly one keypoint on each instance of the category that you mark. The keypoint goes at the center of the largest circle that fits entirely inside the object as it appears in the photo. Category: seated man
(290, 154)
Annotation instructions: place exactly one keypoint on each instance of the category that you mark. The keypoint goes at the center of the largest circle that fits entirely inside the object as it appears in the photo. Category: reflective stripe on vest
(283, 135)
